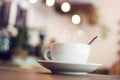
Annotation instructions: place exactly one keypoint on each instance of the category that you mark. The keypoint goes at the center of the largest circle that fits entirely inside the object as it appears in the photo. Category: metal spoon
(92, 40)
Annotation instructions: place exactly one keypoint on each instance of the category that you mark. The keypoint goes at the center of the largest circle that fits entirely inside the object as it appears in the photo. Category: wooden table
(7, 73)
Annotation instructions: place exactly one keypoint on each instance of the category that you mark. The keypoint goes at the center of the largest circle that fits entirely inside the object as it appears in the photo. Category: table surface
(8, 73)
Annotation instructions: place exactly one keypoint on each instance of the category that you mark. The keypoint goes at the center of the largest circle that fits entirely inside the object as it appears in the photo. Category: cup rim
(70, 43)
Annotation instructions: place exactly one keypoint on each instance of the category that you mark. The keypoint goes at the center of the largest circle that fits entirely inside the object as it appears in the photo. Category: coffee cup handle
(46, 55)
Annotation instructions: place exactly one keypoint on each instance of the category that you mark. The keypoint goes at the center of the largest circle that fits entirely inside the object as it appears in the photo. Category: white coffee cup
(69, 52)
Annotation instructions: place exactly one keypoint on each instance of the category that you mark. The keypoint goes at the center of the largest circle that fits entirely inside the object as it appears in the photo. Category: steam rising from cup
(78, 36)
(68, 37)
(65, 36)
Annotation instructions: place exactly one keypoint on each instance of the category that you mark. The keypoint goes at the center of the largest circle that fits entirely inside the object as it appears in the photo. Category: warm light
(65, 7)
(76, 19)
(50, 3)
(32, 1)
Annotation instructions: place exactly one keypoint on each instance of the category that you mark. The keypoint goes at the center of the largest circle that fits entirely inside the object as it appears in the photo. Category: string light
(76, 19)
(32, 1)
(65, 7)
(50, 3)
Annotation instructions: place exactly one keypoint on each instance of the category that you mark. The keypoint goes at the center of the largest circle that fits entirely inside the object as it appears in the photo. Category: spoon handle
(92, 40)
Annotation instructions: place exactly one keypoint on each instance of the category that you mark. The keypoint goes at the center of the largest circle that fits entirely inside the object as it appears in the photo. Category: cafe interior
(29, 27)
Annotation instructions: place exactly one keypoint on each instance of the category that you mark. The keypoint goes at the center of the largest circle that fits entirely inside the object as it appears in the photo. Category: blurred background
(28, 27)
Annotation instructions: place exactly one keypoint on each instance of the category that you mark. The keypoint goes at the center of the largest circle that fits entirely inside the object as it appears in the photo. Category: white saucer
(68, 68)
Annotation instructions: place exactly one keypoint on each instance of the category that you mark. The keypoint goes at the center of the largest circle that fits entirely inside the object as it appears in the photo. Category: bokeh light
(65, 7)
(50, 3)
(33, 1)
(76, 19)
